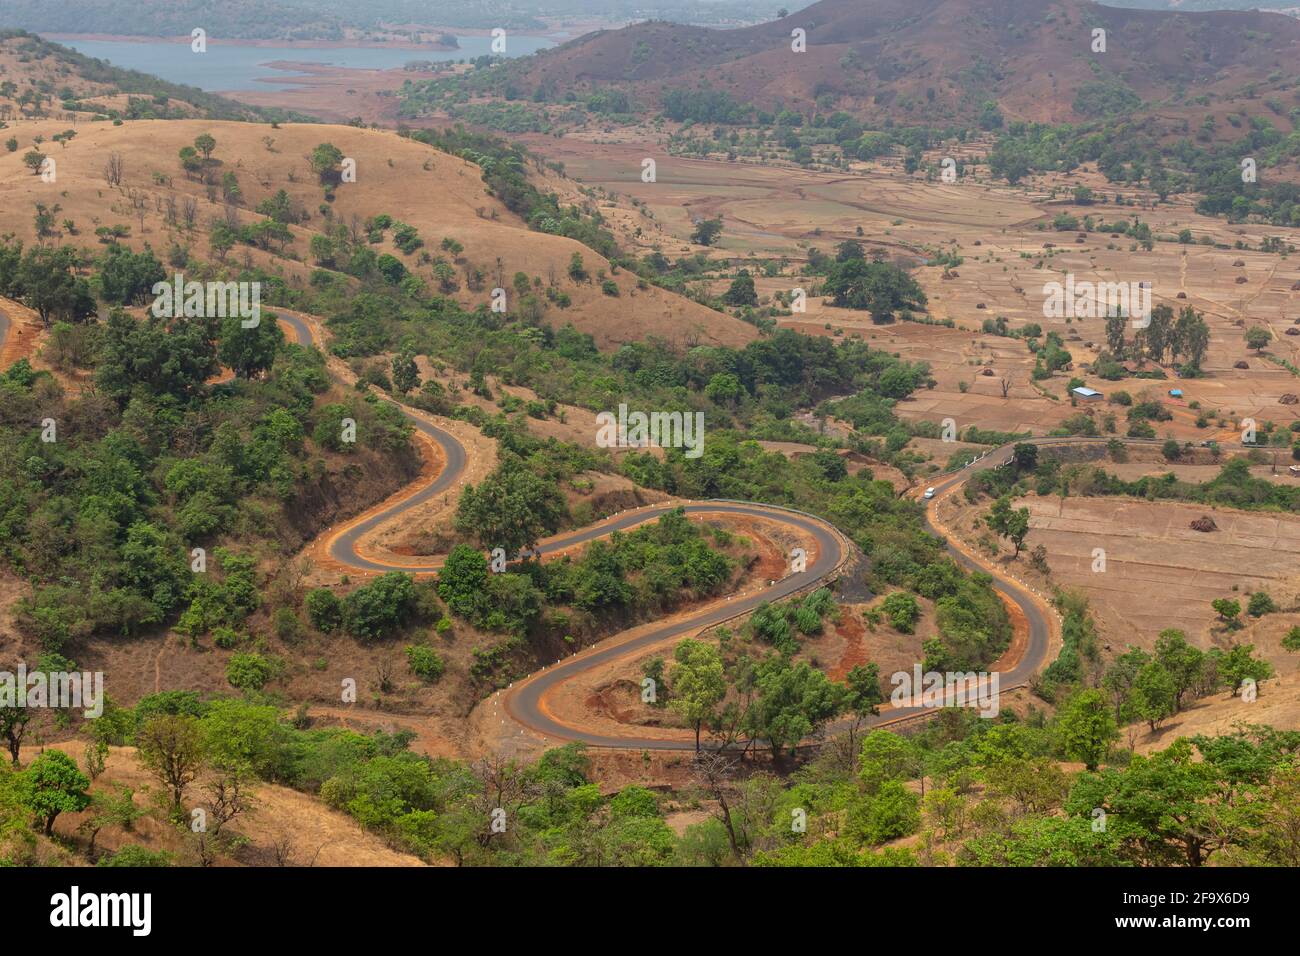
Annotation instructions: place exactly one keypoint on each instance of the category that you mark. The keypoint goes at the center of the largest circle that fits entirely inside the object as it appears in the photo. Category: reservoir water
(228, 67)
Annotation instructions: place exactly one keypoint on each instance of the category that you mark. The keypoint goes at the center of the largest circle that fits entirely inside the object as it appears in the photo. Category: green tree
(707, 232)
(902, 610)
(792, 701)
(1238, 666)
(239, 735)
(512, 508)
(741, 291)
(126, 277)
(391, 268)
(1154, 694)
(249, 671)
(634, 801)
(878, 287)
(1086, 728)
(190, 161)
(205, 144)
(171, 748)
(425, 663)
(1115, 327)
(166, 357)
(133, 855)
(1257, 337)
(13, 727)
(1275, 840)
(114, 807)
(1161, 810)
(698, 684)
(462, 582)
(324, 609)
(1009, 523)
(1034, 785)
(863, 698)
(892, 812)
(1185, 663)
(1192, 335)
(406, 374)
(322, 250)
(250, 351)
(1227, 609)
(1044, 841)
(324, 159)
(577, 271)
(47, 280)
(373, 610)
(886, 756)
(724, 388)
(1261, 603)
(1024, 456)
(53, 785)
(513, 603)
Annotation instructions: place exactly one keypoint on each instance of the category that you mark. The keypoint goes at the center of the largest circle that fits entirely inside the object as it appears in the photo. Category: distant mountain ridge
(1200, 6)
(337, 19)
(938, 58)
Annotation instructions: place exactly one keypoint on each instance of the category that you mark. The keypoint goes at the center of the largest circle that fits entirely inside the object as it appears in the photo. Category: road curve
(525, 701)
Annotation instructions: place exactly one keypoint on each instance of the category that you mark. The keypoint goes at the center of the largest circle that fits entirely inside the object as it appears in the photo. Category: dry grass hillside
(39, 78)
(440, 195)
(1277, 705)
(21, 68)
(284, 827)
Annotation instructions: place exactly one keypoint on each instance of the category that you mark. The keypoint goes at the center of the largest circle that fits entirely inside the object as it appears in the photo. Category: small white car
(929, 493)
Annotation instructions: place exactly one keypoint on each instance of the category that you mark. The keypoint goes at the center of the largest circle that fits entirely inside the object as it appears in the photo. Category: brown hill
(441, 195)
(935, 60)
(39, 79)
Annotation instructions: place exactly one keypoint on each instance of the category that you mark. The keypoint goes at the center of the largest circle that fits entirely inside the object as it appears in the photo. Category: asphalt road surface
(525, 702)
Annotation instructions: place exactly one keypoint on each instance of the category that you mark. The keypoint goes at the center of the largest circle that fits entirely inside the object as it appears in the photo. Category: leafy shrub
(424, 662)
(324, 609)
(249, 671)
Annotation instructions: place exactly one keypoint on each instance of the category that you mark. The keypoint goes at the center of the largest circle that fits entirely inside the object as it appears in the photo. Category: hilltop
(932, 61)
(442, 197)
(39, 78)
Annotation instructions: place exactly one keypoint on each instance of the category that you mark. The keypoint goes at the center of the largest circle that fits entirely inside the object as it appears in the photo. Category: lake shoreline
(332, 94)
(300, 44)
(233, 66)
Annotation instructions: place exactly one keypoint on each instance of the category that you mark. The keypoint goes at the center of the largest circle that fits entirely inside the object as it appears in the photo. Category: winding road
(526, 701)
